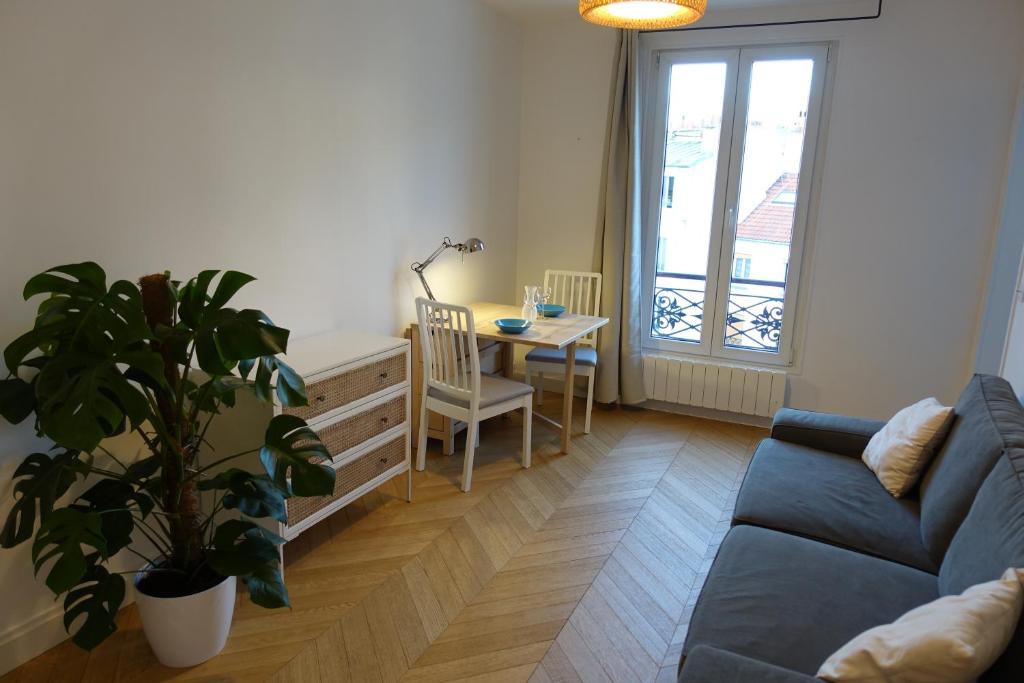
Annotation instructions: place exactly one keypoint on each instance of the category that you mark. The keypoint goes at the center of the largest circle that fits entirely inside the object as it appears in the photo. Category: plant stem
(181, 496)
(133, 551)
(206, 468)
(114, 458)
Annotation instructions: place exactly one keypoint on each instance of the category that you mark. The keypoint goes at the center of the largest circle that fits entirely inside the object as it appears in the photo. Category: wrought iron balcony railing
(753, 321)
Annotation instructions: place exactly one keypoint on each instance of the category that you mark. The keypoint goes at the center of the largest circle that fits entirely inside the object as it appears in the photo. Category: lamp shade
(474, 244)
(642, 14)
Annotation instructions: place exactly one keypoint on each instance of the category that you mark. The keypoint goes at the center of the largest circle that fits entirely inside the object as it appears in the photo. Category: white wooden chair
(580, 293)
(447, 335)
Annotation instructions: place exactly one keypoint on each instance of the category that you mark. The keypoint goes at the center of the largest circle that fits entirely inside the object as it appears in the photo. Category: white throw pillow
(899, 452)
(950, 640)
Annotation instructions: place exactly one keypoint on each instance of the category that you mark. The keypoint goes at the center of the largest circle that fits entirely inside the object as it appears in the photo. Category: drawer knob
(383, 375)
(321, 399)
(384, 420)
(383, 461)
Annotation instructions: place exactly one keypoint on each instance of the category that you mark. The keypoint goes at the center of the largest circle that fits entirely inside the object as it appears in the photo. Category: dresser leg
(408, 494)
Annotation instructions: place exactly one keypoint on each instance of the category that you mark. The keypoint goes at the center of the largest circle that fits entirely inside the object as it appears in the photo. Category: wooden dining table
(563, 332)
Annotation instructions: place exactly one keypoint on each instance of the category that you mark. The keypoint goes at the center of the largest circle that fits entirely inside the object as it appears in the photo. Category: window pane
(696, 99)
(769, 184)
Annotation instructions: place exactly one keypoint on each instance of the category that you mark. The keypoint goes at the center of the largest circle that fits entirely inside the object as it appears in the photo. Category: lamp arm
(421, 266)
(426, 287)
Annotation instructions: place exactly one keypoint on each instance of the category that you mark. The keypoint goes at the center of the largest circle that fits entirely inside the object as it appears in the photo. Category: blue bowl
(512, 325)
(550, 310)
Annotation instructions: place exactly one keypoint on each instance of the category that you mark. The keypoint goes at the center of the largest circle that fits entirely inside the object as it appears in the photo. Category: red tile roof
(772, 221)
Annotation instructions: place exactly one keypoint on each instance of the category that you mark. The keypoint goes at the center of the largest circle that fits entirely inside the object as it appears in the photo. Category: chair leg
(590, 401)
(467, 467)
(540, 390)
(448, 443)
(528, 432)
(421, 440)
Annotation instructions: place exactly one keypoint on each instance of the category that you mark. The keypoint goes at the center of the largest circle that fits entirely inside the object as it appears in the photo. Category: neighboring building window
(785, 197)
(741, 267)
(740, 128)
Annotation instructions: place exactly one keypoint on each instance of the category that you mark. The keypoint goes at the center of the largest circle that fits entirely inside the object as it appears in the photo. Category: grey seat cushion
(832, 498)
(493, 390)
(792, 602)
(585, 356)
(991, 540)
(989, 419)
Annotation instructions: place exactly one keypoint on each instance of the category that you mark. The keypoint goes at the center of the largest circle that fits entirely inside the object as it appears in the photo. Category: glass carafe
(531, 295)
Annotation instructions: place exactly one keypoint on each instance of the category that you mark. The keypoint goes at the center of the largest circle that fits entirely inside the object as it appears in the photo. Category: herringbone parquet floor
(583, 568)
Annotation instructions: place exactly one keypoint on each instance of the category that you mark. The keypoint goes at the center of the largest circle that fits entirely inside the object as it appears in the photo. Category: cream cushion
(899, 452)
(950, 640)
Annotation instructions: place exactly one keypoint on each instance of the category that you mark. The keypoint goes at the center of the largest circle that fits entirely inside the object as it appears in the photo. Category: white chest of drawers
(359, 405)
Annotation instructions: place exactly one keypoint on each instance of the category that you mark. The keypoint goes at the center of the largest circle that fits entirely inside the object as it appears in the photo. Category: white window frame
(721, 253)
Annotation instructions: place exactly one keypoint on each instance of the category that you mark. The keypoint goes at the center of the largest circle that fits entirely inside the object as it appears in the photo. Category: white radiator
(714, 385)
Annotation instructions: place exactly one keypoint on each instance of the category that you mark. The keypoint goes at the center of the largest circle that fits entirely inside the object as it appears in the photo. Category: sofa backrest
(989, 419)
(991, 540)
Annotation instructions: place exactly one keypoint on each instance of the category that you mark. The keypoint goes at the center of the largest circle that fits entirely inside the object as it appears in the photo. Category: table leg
(570, 381)
(508, 356)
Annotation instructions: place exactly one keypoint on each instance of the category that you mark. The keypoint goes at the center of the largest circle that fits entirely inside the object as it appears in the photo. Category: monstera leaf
(88, 344)
(97, 597)
(62, 536)
(225, 336)
(241, 547)
(40, 481)
(17, 399)
(84, 399)
(80, 313)
(114, 500)
(266, 586)
(290, 443)
(254, 495)
(245, 549)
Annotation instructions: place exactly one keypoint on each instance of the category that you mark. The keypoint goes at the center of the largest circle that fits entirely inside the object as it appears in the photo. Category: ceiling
(527, 8)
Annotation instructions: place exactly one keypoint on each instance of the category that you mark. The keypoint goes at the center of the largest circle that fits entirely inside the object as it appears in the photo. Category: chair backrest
(448, 341)
(579, 292)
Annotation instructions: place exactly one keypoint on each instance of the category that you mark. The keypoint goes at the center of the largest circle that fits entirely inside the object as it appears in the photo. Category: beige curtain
(619, 257)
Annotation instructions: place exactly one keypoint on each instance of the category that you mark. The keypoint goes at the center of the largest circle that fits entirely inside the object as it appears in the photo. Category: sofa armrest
(707, 664)
(824, 431)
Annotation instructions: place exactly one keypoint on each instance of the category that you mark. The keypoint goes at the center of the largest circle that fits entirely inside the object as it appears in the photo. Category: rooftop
(772, 219)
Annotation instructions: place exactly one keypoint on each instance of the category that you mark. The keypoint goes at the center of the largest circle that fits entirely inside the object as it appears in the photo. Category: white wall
(1004, 281)
(916, 159)
(321, 145)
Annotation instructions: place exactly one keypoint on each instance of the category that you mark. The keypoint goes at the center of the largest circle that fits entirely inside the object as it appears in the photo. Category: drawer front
(351, 385)
(349, 477)
(352, 431)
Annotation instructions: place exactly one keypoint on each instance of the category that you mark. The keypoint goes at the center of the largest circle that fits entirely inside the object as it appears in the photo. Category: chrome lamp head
(470, 246)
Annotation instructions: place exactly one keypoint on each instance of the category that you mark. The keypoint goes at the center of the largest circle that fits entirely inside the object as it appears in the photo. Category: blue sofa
(820, 552)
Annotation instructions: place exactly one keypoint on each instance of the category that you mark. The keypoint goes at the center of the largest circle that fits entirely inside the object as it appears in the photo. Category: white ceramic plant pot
(187, 631)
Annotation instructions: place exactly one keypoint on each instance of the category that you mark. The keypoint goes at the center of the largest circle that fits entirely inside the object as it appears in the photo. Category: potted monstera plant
(156, 362)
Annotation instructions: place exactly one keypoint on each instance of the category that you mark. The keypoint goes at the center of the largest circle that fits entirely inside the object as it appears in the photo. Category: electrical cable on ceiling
(868, 17)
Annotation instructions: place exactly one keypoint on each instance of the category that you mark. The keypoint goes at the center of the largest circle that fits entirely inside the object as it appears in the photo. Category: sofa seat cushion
(832, 498)
(792, 602)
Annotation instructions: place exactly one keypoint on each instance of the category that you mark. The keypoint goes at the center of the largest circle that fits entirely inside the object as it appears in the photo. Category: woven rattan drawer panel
(340, 390)
(349, 477)
(350, 432)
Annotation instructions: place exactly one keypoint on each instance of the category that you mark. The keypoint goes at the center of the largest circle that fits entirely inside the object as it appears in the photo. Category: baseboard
(31, 638)
(36, 635)
(709, 414)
